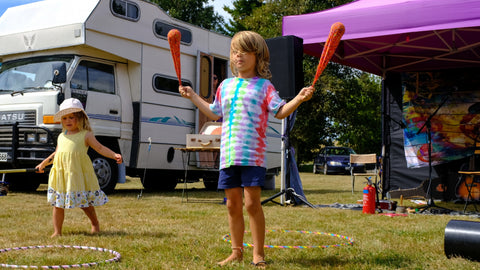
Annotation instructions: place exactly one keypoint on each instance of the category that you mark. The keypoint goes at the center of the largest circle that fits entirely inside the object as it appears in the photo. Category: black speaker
(286, 55)
(462, 238)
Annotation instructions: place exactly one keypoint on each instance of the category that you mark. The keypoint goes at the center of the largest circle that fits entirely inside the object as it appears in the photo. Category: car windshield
(33, 74)
(340, 151)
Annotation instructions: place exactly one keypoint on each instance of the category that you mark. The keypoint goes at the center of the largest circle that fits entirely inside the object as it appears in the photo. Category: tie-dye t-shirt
(244, 105)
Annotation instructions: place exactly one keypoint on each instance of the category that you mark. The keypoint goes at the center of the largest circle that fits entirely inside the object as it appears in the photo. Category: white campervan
(113, 55)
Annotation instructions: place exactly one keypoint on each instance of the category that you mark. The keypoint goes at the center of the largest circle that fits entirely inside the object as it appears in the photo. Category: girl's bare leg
(58, 217)
(235, 223)
(92, 215)
(254, 208)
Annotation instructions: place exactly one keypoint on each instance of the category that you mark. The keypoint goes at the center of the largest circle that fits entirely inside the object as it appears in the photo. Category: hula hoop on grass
(349, 242)
(115, 259)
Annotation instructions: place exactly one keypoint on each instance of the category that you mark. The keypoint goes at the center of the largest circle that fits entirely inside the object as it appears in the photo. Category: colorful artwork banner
(445, 104)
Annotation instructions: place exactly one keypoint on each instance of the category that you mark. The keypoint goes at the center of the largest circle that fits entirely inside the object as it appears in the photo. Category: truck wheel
(157, 180)
(106, 170)
(25, 182)
(210, 183)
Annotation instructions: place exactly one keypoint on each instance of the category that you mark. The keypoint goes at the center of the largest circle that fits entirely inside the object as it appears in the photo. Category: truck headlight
(43, 138)
(31, 137)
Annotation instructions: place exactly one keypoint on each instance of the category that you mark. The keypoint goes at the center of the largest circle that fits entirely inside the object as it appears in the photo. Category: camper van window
(125, 9)
(162, 83)
(94, 76)
(162, 28)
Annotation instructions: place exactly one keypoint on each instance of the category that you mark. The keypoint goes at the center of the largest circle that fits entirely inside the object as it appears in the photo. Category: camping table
(186, 152)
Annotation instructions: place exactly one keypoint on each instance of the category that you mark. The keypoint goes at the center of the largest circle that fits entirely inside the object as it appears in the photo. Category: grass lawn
(164, 231)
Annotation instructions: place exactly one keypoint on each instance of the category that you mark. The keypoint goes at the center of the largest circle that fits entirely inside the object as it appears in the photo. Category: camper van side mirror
(59, 73)
(60, 98)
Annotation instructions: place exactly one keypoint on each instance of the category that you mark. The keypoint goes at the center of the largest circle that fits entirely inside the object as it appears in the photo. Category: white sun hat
(69, 106)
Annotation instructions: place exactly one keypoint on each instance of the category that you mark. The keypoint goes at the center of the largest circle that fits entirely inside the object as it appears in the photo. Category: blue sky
(217, 5)
(4, 4)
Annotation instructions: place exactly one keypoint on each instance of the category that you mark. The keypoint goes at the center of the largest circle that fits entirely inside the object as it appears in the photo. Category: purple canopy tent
(388, 37)
(396, 35)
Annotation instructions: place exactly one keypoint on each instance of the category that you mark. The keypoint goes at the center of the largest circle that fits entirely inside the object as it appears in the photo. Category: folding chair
(469, 189)
(359, 165)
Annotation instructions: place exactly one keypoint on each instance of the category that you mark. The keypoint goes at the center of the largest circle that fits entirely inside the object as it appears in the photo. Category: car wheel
(325, 169)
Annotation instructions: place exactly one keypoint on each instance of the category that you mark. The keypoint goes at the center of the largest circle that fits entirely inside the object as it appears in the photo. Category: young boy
(244, 103)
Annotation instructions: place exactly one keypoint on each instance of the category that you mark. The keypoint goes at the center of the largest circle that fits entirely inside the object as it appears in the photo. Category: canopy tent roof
(396, 35)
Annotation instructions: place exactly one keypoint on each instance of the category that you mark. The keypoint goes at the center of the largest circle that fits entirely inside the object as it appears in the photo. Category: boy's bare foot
(55, 235)
(260, 264)
(95, 229)
(236, 256)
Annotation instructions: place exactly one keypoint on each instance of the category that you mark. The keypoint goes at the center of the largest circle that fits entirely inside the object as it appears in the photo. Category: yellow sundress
(72, 181)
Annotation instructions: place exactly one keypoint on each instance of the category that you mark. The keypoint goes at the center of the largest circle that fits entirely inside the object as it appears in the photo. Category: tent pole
(282, 165)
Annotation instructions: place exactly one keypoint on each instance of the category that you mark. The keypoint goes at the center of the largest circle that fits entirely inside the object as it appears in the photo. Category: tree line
(346, 107)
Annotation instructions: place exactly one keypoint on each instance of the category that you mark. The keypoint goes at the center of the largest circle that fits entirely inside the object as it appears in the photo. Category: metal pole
(282, 164)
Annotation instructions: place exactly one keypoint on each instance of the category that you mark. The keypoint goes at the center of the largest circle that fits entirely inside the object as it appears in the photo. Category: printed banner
(451, 101)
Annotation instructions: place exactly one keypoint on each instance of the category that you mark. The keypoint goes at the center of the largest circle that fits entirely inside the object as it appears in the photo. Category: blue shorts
(241, 176)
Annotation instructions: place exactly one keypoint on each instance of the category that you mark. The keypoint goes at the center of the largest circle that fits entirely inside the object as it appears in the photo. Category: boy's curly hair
(249, 41)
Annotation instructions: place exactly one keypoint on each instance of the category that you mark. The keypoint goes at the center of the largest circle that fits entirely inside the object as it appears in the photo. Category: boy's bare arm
(287, 109)
(202, 105)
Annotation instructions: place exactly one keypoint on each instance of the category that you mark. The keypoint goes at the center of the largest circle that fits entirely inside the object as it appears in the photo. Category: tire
(25, 182)
(106, 170)
(210, 183)
(325, 169)
(158, 180)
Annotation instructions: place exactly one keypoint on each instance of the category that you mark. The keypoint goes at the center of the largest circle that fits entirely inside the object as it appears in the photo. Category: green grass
(164, 231)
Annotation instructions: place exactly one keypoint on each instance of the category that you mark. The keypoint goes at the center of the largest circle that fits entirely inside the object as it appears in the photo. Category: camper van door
(97, 81)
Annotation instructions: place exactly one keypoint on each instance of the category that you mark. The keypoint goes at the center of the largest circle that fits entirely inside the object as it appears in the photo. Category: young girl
(244, 103)
(72, 181)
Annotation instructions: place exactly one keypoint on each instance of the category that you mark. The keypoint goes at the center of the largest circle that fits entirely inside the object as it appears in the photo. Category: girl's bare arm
(49, 160)
(91, 141)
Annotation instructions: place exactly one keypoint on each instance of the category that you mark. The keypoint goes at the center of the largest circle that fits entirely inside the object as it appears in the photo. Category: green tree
(241, 10)
(196, 12)
(357, 112)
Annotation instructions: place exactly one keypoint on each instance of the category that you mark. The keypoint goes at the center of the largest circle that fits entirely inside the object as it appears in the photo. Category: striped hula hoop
(115, 259)
(349, 240)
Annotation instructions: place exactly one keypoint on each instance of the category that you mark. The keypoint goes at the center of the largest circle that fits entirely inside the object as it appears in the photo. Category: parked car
(333, 159)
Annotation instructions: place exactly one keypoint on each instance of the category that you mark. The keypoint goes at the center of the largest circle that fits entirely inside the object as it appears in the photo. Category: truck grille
(24, 144)
(22, 117)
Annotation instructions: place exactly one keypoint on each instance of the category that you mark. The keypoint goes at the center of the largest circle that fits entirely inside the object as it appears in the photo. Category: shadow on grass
(392, 261)
(109, 233)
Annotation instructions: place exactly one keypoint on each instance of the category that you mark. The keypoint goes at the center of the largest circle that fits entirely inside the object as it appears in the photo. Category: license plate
(3, 157)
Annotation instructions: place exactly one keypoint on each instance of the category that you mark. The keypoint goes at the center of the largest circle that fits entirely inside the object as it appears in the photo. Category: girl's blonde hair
(251, 42)
(82, 121)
